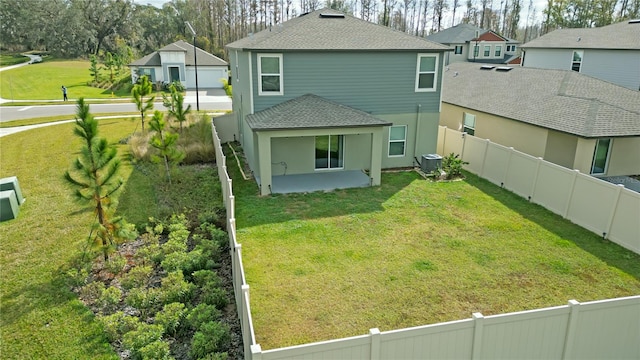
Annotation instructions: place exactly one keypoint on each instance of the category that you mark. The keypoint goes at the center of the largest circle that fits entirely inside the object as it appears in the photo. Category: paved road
(10, 113)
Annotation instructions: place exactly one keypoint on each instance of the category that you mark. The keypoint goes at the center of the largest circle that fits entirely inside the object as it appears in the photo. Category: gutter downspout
(415, 144)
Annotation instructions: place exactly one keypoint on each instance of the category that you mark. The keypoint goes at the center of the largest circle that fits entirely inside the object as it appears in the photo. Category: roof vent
(504, 68)
(634, 21)
(486, 67)
(330, 15)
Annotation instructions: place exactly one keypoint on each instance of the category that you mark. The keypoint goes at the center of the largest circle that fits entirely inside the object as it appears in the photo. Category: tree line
(79, 28)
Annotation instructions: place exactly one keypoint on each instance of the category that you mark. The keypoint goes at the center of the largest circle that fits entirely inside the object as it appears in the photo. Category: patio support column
(264, 154)
(376, 156)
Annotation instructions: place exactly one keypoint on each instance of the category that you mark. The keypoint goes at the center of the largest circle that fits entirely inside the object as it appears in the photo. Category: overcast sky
(538, 4)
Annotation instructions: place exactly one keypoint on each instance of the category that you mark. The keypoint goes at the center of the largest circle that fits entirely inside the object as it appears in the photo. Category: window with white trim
(469, 124)
(458, 50)
(601, 157)
(270, 74)
(427, 72)
(498, 51)
(487, 50)
(476, 51)
(397, 140)
(576, 60)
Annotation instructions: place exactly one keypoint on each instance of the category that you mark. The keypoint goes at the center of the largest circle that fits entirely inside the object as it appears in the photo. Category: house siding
(561, 148)
(374, 82)
(621, 67)
(623, 159)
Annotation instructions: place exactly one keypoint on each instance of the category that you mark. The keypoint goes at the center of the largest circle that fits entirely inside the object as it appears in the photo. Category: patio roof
(311, 112)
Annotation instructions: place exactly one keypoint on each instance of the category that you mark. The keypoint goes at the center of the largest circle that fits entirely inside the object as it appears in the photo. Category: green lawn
(12, 59)
(43, 81)
(40, 318)
(412, 252)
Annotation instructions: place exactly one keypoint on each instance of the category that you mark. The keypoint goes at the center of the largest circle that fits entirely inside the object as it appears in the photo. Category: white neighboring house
(175, 62)
(610, 53)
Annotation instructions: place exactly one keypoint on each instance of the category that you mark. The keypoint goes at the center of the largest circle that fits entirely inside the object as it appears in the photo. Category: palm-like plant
(141, 89)
(94, 176)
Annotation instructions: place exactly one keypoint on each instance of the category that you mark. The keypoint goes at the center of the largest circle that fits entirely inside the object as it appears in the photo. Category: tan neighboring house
(565, 117)
(175, 62)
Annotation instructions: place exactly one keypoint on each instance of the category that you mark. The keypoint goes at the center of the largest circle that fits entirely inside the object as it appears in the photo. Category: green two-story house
(326, 92)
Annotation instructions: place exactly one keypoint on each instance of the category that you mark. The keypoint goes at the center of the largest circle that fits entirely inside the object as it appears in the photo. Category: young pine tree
(165, 142)
(94, 176)
(94, 71)
(141, 89)
(177, 109)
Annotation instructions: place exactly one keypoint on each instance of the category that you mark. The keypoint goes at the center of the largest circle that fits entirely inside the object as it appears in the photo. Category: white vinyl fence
(608, 210)
(240, 286)
(607, 329)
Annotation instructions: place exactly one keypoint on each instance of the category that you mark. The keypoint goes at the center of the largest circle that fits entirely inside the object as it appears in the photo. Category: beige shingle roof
(561, 100)
(311, 112)
(622, 35)
(315, 32)
(204, 58)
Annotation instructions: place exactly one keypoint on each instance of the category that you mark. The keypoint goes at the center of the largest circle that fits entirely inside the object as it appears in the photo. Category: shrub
(203, 277)
(150, 254)
(175, 289)
(138, 276)
(157, 350)
(212, 337)
(115, 264)
(148, 301)
(170, 317)
(175, 261)
(452, 165)
(118, 324)
(139, 146)
(227, 87)
(143, 335)
(210, 253)
(92, 291)
(109, 299)
(201, 314)
(212, 294)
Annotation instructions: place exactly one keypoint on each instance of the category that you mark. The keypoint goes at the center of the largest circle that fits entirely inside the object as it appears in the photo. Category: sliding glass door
(329, 152)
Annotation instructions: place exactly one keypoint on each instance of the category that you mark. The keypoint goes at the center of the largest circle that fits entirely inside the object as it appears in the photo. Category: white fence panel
(536, 334)
(453, 142)
(592, 202)
(474, 152)
(608, 329)
(553, 187)
(625, 227)
(358, 347)
(440, 341)
(521, 174)
(496, 163)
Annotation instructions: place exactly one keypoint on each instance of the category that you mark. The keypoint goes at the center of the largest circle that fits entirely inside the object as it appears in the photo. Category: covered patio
(321, 181)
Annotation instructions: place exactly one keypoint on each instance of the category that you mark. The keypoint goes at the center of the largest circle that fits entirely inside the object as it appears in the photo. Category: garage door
(207, 78)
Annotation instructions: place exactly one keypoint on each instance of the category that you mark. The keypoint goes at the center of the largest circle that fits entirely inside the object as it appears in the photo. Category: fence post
(476, 346)
(570, 199)
(535, 179)
(464, 141)
(613, 211)
(375, 343)
(232, 207)
(484, 156)
(256, 353)
(572, 325)
(246, 328)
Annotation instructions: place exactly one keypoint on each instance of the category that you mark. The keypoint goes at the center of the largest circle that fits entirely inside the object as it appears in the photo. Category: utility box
(430, 163)
(11, 183)
(9, 207)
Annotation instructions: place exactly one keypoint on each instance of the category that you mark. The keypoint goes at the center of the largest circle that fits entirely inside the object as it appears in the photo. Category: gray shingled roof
(204, 58)
(314, 32)
(561, 100)
(460, 34)
(310, 112)
(622, 35)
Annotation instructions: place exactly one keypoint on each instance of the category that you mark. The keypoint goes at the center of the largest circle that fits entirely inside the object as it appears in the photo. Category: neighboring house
(327, 92)
(471, 43)
(175, 62)
(566, 118)
(610, 53)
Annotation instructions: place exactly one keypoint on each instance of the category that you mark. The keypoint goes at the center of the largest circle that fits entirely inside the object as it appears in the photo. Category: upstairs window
(397, 140)
(487, 51)
(576, 60)
(270, 74)
(498, 51)
(426, 72)
(458, 50)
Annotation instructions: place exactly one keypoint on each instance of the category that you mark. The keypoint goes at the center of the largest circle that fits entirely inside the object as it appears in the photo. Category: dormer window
(426, 72)
(270, 74)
